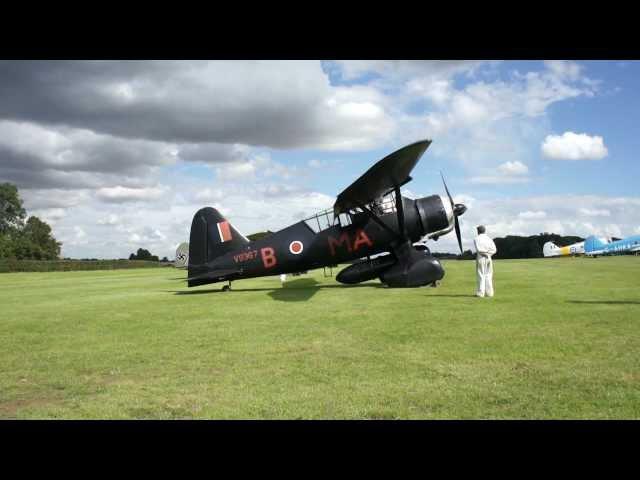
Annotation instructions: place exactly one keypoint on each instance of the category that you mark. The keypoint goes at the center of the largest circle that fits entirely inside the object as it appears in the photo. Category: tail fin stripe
(224, 231)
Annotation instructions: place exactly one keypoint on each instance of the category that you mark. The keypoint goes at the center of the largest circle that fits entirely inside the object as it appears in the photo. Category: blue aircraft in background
(593, 246)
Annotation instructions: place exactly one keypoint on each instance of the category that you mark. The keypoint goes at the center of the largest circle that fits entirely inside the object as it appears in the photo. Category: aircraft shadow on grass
(458, 295)
(606, 302)
(292, 291)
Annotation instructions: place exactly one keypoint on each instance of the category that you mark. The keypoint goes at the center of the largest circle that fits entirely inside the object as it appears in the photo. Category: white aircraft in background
(550, 249)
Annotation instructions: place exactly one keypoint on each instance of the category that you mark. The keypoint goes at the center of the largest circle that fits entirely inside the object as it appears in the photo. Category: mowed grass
(561, 339)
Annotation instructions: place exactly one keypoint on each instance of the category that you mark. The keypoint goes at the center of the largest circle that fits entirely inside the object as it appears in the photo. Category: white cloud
(111, 219)
(528, 215)
(513, 168)
(506, 173)
(209, 194)
(49, 215)
(497, 179)
(315, 163)
(567, 69)
(573, 146)
(278, 104)
(595, 212)
(121, 194)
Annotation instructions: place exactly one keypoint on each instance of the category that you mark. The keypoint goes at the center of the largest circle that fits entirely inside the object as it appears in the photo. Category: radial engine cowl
(435, 213)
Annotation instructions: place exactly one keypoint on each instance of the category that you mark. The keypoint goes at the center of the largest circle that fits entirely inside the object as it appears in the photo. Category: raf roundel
(296, 247)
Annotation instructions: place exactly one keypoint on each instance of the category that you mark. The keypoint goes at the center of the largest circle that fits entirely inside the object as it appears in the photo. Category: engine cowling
(435, 214)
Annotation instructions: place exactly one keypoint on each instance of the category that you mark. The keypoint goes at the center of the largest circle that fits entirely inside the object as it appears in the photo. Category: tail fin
(550, 249)
(211, 236)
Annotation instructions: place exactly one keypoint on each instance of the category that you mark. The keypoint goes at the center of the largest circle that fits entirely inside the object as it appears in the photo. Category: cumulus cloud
(60, 157)
(574, 146)
(528, 215)
(508, 172)
(401, 69)
(513, 168)
(280, 104)
(594, 212)
(570, 70)
(121, 194)
(111, 219)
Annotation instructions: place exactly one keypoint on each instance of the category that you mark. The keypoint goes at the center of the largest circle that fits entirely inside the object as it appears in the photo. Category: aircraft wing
(390, 172)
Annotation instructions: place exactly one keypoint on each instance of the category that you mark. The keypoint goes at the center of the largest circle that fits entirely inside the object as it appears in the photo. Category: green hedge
(7, 265)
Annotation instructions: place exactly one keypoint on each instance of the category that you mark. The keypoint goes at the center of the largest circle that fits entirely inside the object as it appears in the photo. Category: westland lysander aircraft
(369, 217)
(550, 249)
(593, 246)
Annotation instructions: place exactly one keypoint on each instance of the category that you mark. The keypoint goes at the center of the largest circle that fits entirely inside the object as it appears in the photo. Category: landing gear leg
(435, 284)
(227, 288)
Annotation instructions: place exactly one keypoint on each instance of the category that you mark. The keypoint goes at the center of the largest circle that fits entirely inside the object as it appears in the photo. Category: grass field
(561, 339)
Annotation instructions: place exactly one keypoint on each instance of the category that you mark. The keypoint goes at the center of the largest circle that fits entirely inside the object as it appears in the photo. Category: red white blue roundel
(296, 247)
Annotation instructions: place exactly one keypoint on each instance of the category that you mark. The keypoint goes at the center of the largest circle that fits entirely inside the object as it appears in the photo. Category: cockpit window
(320, 221)
(325, 219)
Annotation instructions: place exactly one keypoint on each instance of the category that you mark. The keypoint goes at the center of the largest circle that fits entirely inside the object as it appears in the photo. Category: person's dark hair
(481, 229)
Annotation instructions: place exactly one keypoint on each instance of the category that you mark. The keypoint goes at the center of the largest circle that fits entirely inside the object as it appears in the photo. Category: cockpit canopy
(326, 219)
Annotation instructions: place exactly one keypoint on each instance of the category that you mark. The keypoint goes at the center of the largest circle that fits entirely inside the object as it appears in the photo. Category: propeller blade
(457, 225)
(445, 187)
(458, 209)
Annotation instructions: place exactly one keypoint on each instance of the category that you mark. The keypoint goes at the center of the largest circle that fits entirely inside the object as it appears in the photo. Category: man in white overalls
(485, 249)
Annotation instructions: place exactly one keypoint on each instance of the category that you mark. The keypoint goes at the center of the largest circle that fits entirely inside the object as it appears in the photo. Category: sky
(119, 155)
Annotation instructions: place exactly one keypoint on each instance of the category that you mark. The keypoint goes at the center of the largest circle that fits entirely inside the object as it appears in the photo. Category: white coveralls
(485, 248)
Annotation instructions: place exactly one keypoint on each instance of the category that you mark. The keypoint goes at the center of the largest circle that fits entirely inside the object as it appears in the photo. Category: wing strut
(375, 218)
(400, 213)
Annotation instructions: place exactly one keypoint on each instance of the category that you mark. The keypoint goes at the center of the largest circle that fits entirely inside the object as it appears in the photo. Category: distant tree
(11, 212)
(258, 235)
(467, 255)
(164, 259)
(7, 246)
(19, 239)
(143, 254)
(37, 235)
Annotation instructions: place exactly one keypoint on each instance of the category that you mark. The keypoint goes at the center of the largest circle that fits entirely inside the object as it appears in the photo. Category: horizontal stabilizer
(390, 172)
(214, 274)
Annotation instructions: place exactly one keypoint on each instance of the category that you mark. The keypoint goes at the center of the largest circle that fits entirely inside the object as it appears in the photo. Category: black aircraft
(370, 217)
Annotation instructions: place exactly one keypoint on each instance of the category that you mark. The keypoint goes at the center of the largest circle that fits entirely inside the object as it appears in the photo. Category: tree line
(19, 239)
(513, 246)
(32, 239)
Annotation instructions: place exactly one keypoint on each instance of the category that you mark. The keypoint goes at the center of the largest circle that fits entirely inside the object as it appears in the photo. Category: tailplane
(182, 256)
(211, 237)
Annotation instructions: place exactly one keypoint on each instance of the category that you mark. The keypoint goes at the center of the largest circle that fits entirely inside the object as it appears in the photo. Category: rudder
(211, 237)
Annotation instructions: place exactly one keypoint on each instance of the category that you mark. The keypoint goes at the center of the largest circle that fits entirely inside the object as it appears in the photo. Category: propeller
(458, 209)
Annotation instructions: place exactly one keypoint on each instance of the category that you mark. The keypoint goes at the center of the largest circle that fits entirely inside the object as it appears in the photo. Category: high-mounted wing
(389, 173)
